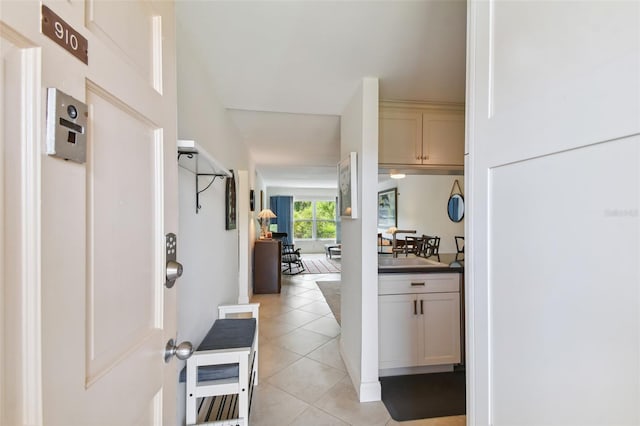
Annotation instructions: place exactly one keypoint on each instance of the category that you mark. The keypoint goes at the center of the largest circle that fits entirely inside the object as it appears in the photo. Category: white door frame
(21, 306)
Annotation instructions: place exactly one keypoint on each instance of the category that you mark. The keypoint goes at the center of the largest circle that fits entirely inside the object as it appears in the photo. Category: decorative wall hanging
(230, 210)
(455, 206)
(348, 186)
(387, 208)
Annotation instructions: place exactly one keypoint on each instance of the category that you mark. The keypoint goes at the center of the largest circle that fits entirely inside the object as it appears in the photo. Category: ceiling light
(397, 175)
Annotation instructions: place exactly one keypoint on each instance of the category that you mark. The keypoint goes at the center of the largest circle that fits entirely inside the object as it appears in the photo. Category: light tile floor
(302, 379)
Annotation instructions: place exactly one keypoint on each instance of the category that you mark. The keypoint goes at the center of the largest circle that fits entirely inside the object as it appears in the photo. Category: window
(314, 220)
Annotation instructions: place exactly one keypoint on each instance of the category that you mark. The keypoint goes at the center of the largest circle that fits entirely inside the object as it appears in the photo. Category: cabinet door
(398, 325)
(400, 137)
(439, 328)
(443, 138)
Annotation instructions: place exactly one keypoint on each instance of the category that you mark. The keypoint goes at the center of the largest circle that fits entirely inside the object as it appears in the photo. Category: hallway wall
(208, 252)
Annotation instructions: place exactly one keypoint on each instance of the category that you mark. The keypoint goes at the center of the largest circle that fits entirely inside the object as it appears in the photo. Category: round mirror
(455, 207)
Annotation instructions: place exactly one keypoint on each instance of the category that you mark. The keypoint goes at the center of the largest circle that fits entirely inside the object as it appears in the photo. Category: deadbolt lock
(173, 267)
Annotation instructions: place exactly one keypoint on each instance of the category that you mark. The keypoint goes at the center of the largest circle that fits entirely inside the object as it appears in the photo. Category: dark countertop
(449, 262)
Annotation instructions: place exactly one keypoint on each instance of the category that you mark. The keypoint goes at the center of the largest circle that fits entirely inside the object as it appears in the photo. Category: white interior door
(553, 188)
(105, 312)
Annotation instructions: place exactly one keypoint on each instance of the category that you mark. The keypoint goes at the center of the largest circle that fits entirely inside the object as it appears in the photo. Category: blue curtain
(282, 206)
(338, 224)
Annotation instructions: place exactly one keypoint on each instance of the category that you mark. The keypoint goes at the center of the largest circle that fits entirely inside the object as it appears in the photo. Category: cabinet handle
(415, 307)
(421, 307)
(417, 284)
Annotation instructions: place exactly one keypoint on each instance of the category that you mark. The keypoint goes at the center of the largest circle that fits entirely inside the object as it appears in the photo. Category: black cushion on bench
(228, 333)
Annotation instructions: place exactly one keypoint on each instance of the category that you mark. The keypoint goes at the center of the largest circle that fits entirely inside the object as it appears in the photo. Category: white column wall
(359, 303)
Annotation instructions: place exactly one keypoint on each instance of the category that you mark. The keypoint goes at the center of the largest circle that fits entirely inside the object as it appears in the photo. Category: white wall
(359, 302)
(422, 205)
(208, 252)
(322, 194)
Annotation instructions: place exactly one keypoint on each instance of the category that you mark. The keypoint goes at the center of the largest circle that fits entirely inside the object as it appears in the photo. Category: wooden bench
(225, 365)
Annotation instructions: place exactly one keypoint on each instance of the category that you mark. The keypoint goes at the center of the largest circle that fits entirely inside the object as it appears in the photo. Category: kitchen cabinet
(419, 320)
(417, 135)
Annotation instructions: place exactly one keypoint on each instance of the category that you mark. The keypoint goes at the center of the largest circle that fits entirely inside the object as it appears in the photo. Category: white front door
(105, 314)
(553, 188)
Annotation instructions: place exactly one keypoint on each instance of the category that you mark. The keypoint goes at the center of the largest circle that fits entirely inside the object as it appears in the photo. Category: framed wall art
(348, 186)
(387, 208)
(230, 209)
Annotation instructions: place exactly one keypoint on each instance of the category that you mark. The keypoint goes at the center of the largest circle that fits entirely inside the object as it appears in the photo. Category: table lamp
(265, 216)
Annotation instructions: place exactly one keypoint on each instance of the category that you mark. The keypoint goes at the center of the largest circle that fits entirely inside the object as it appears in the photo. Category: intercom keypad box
(66, 126)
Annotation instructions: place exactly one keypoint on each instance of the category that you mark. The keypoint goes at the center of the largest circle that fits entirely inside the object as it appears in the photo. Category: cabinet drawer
(418, 283)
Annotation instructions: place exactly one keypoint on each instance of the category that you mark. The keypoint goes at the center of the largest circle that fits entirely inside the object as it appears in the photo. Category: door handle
(182, 351)
(421, 307)
(415, 307)
(417, 284)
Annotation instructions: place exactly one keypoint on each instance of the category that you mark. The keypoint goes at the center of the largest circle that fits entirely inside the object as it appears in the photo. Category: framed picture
(252, 200)
(348, 186)
(230, 210)
(387, 208)
(261, 200)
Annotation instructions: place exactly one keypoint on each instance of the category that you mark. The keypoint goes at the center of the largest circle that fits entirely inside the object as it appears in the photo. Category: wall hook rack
(201, 164)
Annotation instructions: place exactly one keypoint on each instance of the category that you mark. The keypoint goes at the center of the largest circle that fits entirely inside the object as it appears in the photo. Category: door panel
(553, 121)
(558, 318)
(399, 330)
(123, 229)
(106, 315)
(439, 335)
(400, 137)
(442, 139)
(128, 28)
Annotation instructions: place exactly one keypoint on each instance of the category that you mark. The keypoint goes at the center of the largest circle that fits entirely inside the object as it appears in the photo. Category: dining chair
(430, 246)
(459, 244)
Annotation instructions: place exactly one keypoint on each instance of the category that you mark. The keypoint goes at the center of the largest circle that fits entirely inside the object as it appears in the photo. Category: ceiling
(285, 70)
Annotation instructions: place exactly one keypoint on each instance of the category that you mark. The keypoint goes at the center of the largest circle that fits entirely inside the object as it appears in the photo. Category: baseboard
(370, 391)
(402, 371)
(367, 391)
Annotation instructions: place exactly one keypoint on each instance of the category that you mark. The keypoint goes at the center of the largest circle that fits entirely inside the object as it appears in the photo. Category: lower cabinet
(419, 329)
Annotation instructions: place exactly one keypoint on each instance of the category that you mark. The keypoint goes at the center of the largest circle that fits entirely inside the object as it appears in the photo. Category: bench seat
(225, 362)
(224, 334)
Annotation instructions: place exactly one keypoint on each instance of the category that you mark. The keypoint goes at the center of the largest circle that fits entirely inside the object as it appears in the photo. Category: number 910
(63, 34)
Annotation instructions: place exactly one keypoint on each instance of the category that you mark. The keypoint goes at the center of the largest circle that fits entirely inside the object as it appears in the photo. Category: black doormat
(423, 396)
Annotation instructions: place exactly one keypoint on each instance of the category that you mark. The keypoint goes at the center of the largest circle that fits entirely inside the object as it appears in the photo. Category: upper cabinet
(418, 135)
